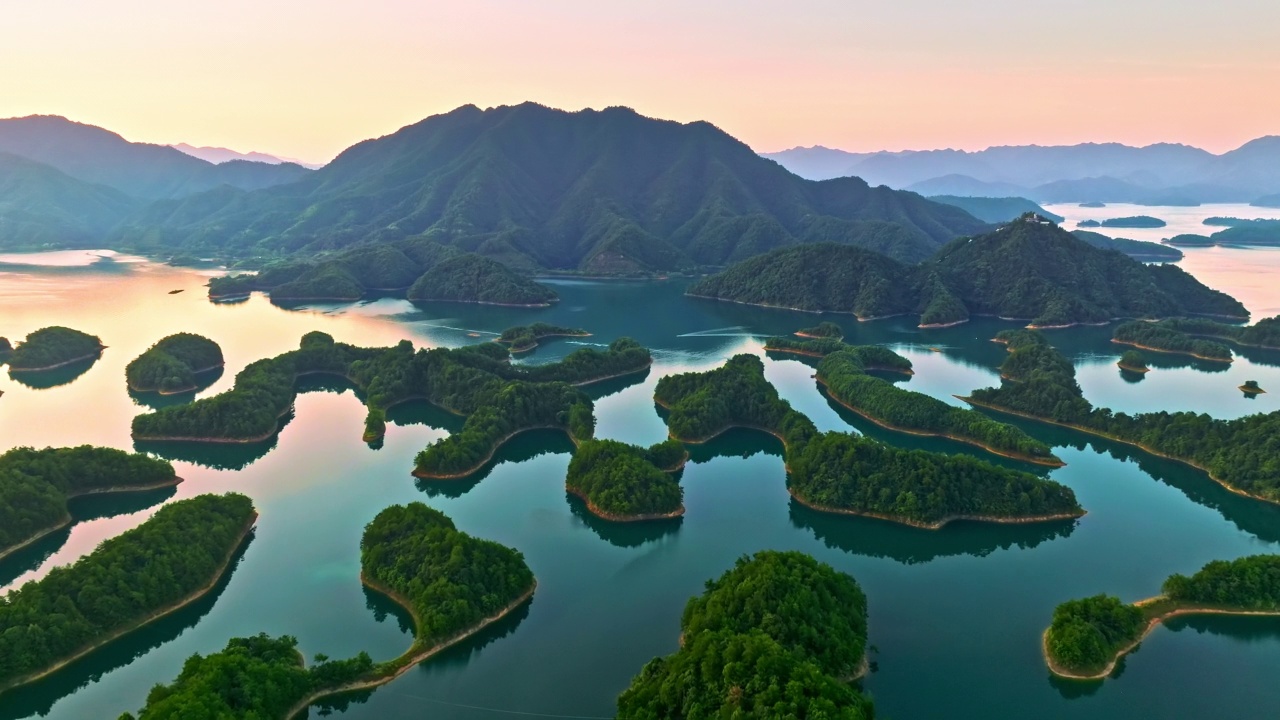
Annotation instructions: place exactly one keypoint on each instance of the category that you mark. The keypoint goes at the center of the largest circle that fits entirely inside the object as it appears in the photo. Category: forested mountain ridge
(41, 205)
(602, 191)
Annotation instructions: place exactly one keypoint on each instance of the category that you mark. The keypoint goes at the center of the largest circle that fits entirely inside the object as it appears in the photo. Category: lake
(956, 615)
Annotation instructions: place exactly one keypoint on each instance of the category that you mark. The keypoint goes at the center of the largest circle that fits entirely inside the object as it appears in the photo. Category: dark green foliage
(996, 210)
(1137, 221)
(255, 678)
(1086, 634)
(35, 484)
(1133, 360)
(171, 365)
(623, 480)
(451, 580)
(53, 346)
(41, 207)
(1136, 249)
(5, 349)
(178, 551)
(472, 278)
(1019, 338)
(1251, 384)
(1029, 269)
(1264, 333)
(1248, 583)
(844, 375)
(1189, 240)
(822, 330)
(817, 347)
(1259, 233)
(1158, 336)
(603, 191)
(1243, 453)
(526, 337)
(769, 639)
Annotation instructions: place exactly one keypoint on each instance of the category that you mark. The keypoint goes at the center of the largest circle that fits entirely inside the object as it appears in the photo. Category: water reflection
(519, 449)
(53, 378)
(622, 534)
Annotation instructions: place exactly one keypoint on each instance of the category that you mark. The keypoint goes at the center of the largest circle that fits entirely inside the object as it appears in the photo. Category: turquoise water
(955, 615)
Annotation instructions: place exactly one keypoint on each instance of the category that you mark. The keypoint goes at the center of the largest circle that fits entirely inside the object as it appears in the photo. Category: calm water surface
(956, 615)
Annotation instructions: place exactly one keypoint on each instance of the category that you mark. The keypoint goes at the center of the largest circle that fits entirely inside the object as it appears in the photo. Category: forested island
(1089, 636)
(419, 267)
(1189, 240)
(627, 483)
(843, 473)
(53, 347)
(844, 376)
(872, 357)
(172, 365)
(1045, 276)
(1136, 249)
(1166, 338)
(1251, 387)
(1137, 221)
(1263, 334)
(778, 635)
(35, 486)
(1133, 361)
(822, 330)
(132, 579)
(525, 338)
(1040, 383)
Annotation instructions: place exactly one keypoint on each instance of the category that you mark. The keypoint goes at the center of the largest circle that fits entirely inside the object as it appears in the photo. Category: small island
(1218, 221)
(1136, 249)
(1088, 224)
(1161, 337)
(1250, 387)
(822, 330)
(477, 279)
(137, 577)
(1132, 361)
(1088, 637)
(802, 624)
(1093, 204)
(1267, 201)
(172, 366)
(1189, 240)
(1137, 221)
(625, 483)
(53, 347)
(1264, 333)
(525, 337)
(35, 486)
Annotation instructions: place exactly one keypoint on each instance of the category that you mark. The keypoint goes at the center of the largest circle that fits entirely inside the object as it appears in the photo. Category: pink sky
(307, 79)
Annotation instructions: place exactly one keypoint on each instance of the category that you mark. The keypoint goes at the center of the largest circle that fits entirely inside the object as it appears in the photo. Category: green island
(1089, 636)
(1259, 233)
(626, 483)
(1088, 224)
(53, 347)
(416, 266)
(822, 330)
(1219, 221)
(1167, 339)
(872, 357)
(1264, 333)
(135, 578)
(525, 337)
(844, 376)
(1136, 249)
(1250, 387)
(1134, 362)
(848, 474)
(1267, 201)
(5, 350)
(1188, 240)
(778, 635)
(35, 486)
(1045, 276)
(475, 380)
(1241, 455)
(1019, 338)
(1093, 204)
(172, 365)
(1136, 221)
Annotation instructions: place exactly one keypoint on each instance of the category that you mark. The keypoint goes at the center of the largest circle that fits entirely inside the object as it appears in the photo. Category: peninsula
(525, 338)
(1164, 338)
(172, 366)
(53, 347)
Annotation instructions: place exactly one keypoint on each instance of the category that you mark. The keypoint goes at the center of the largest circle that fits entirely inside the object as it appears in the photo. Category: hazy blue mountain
(965, 186)
(41, 206)
(597, 191)
(1267, 201)
(996, 209)
(219, 155)
(142, 170)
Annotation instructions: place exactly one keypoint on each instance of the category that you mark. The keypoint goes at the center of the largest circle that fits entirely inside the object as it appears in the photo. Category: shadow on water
(83, 509)
(736, 442)
(605, 388)
(1131, 377)
(622, 534)
(522, 447)
(421, 412)
(53, 378)
(39, 697)
(911, 546)
(1258, 518)
(1257, 356)
(156, 401)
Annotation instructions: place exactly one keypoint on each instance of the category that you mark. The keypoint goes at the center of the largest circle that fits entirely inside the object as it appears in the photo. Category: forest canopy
(51, 347)
(625, 482)
(171, 365)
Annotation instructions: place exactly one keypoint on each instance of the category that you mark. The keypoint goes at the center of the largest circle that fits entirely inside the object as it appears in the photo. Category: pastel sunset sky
(307, 78)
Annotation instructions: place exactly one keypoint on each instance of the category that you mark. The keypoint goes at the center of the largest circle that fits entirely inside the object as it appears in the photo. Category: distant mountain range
(1162, 174)
(219, 155)
(606, 191)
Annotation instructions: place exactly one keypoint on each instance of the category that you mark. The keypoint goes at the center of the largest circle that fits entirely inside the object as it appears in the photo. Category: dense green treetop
(1260, 232)
(35, 484)
(171, 365)
(1086, 634)
(126, 580)
(451, 580)
(817, 347)
(1018, 338)
(1263, 333)
(1188, 240)
(1136, 249)
(253, 678)
(1133, 360)
(473, 278)
(53, 346)
(526, 337)
(41, 207)
(822, 330)
(1137, 221)
(625, 481)
(1159, 336)
(1248, 583)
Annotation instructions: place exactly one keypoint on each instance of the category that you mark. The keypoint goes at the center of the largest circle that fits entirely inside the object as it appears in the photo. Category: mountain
(1156, 174)
(595, 191)
(996, 210)
(1136, 249)
(1267, 201)
(41, 206)
(219, 155)
(141, 170)
(1029, 269)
